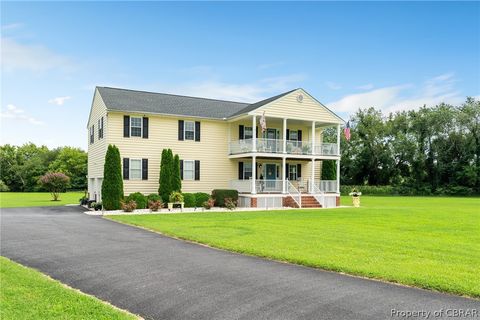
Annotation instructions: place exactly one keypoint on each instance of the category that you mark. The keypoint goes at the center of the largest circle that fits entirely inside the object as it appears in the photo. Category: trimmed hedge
(220, 194)
(153, 197)
(408, 191)
(189, 200)
(139, 199)
(200, 198)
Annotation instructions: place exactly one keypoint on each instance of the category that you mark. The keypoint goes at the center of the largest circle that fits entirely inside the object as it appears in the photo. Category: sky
(349, 55)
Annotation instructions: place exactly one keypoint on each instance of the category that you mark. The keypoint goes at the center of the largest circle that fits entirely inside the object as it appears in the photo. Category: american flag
(346, 131)
(263, 122)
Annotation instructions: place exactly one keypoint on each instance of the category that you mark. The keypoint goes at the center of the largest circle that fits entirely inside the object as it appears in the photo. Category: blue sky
(392, 56)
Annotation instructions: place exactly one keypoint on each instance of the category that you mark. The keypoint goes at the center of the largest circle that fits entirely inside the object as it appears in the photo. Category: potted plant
(175, 198)
(355, 197)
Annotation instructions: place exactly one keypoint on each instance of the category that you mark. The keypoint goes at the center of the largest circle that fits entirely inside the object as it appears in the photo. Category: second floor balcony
(279, 146)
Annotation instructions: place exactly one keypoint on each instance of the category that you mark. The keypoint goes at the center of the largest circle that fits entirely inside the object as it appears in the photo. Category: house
(221, 144)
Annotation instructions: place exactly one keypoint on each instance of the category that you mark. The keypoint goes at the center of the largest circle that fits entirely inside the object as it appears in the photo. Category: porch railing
(294, 193)
(276, 186)
(326, 185)
(276, 146)
(267, 186)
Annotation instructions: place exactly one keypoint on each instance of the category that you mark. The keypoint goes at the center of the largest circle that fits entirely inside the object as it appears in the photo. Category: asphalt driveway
(162, 278)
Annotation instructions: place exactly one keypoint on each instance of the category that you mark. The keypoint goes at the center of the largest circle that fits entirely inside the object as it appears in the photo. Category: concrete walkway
(162, 278)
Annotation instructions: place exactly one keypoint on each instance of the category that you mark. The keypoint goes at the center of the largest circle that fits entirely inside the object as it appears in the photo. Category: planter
(171, 204)
(356, 201)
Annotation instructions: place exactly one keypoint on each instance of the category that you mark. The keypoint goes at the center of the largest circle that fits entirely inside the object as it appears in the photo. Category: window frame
(185, 170)
(185, 130)
(245, 170)
(100, 128)
(245, 132)
(92, 134)
(131, 127)
(130, 177)
(290, 135)
(292, 173)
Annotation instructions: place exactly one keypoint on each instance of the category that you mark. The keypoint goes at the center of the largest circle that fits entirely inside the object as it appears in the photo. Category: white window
(189, 130)
(100, 128)
(293, 135)
(292, 172)
(135, 127)
(92, 134)
(188, 169)
(248, 133)
(135, 169)
(247, 170)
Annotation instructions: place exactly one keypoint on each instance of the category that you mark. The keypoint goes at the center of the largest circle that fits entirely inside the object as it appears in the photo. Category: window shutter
(288, 134)
(197, 169)
(286, 171)
(181, 169)
(126, 126)
(145, 127)
(299, 170)
(103, 127)
(241, 130)
(256, 132)
(240, 170)
(180, 130)
(99, 130)
(144, 169)
(197, 130)
(126, 168)
(299, 135)
(92, 138)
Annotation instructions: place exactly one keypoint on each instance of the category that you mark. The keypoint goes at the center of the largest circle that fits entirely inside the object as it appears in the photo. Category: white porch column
(284, 175)
(254, 134)
(312, 179)
(313, 137)
(338, 139)
(338, 176)
(284, 136)
(254, 174)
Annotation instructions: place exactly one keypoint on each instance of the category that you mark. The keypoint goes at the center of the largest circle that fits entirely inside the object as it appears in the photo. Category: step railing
(294, 193)
(318, 194)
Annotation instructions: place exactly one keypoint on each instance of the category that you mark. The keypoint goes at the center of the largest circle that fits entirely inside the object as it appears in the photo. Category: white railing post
(254, 174)
(313, 137)
(284, 175)
(338, 139)
(338, 176)
(312, 179)
(284, 135)
(254, 133)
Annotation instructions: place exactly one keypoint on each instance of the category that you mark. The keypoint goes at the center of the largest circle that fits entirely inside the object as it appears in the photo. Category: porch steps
(307, 202)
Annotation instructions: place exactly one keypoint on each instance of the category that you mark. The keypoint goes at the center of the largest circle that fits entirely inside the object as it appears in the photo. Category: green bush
(176, 196)
(189, 200)
(139, 199)
(369, 190)
(112, 186)
(3, 187)
(220, 194)
(200, 198)
(153, 197)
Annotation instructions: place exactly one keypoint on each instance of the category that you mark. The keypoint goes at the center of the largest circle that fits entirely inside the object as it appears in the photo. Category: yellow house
(270, 151)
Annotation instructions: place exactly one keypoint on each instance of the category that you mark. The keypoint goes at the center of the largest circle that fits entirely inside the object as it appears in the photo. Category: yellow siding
(97, 150)
(216, 170)
(288, 107)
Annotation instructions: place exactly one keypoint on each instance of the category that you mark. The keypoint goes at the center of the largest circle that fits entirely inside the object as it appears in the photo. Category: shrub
(176, 179)
(200, 198)
(128, 206)
(112, 186)
(209, 203)
(54, 182)
(176, 197)
(230, 203)
(139, 199)
(153, 197)
(220, 194)
(3, 187)
(154, 205)
(83, 200)
(189, 199)
(97, 206)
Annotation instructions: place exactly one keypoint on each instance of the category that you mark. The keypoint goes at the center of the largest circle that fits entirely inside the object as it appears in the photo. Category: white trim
(130, 169)
(141, 126)
(185, 130)
(193, 170)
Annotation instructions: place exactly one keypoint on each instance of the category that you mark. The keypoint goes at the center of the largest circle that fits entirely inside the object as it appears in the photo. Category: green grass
(429, 242)
(29, 294)
(34, 199)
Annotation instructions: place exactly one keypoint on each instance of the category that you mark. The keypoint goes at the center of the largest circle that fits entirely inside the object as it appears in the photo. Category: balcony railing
(276, 186)
(275, 146)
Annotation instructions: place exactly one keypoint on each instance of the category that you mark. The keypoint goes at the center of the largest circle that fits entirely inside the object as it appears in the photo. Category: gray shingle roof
(151, 102)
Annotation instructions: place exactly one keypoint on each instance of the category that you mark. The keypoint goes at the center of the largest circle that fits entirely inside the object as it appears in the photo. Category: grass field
(34, 199)
(29, 294)
(432, 243)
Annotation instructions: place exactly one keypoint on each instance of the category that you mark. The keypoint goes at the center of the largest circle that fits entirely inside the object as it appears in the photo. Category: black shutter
(103, 128)
(197, 169)
(288, 134)
(299, 170)
(145, 127)
(99, 130)
(197, 130)
(256, 132)
(240, 170)
(299, 135)
(126, 168)
(144, 169)
(180, 130)
(241, 130)
(286, 171)
(181, 169)
(126, 126)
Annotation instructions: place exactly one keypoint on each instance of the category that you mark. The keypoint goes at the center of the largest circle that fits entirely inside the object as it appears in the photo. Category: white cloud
(59, 101)
(403, 97)
(333, 86)
(367, 86)
(30, 57)
(13, 112)
(11, 26)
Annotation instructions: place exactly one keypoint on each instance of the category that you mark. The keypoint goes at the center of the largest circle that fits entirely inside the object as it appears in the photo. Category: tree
(112, 186)
(176, 181)
(54, 182)
(165, 179)
(329, 170)
(72, 162)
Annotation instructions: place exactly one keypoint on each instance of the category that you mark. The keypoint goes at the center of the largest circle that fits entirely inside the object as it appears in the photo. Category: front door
(270, 176)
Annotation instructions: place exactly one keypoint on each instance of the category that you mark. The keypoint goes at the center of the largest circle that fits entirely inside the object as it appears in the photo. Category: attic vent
(300, 98)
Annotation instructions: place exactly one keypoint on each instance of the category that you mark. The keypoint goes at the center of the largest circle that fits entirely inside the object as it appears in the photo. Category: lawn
(29, 294)
(34, 199)
(429, 242)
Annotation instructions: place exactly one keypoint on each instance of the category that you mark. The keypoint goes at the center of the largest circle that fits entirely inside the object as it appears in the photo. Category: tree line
(433, 150)
(22, 166)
